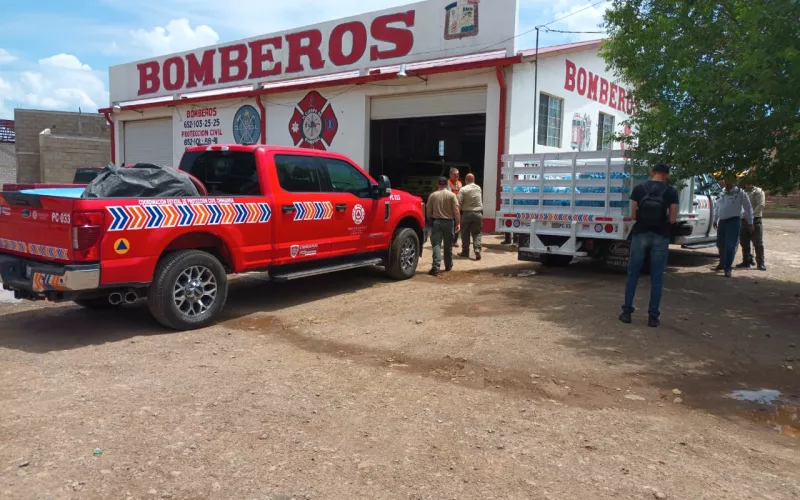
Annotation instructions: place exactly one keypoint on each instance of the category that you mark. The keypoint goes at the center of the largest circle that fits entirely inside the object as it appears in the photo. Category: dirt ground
(498, 380)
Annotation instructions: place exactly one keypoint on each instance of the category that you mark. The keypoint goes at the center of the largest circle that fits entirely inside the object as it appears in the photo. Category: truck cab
(289, 212)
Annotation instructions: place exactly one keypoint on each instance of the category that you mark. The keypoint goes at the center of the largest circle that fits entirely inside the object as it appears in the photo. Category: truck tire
(189, 290)
(404, 254)
(96, 303)
(555, 260)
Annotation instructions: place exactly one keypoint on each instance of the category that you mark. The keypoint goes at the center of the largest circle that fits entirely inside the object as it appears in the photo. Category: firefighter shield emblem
(294, 250)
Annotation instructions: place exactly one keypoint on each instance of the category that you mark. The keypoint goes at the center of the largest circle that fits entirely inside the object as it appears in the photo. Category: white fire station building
(402, 92)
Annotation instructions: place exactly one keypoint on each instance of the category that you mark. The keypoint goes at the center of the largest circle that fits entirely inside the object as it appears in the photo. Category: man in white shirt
(731, 204)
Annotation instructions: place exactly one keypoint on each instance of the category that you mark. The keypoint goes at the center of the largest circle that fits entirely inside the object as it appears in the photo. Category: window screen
(551, 112)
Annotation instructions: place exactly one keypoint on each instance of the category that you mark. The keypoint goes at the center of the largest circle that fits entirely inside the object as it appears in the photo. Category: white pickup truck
(567, 205)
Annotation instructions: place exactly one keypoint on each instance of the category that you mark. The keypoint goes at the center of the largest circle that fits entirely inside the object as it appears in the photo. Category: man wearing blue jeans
(732, 206)
(654, 207)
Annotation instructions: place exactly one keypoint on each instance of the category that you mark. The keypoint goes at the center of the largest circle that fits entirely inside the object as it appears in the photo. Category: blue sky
(56, 54)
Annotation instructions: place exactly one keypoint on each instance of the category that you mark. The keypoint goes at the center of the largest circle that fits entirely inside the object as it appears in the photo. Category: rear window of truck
(224, 173)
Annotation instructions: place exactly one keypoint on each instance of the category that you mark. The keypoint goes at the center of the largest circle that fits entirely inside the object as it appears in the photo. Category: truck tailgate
(36, 225)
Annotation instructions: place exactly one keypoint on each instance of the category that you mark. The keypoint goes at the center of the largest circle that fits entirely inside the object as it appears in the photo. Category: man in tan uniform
(443, 215)
(470, 199)
(758, 199)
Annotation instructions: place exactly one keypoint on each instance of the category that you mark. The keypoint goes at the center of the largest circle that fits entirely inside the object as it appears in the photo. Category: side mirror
(383, 189)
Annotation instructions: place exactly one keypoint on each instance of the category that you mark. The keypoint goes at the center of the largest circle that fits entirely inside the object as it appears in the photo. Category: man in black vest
(654, 207)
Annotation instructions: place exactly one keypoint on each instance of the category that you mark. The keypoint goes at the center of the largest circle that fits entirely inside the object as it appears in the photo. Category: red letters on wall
(585, 83)
(391, 37)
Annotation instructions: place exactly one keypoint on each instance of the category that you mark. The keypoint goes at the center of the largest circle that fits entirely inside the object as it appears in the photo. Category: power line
(562, 31)
(571, 14)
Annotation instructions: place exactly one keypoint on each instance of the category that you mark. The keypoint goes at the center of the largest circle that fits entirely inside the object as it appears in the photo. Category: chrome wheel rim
(408, 255)
(195, 291)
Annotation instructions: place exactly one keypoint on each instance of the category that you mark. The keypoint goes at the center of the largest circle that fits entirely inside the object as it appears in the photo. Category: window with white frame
(605, 132)
(551, 115)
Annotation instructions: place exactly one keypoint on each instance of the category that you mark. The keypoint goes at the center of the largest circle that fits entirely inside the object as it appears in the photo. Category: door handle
(341, 207)
(288, 209)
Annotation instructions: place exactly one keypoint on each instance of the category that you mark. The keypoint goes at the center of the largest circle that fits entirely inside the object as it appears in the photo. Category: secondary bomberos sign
(429, 30)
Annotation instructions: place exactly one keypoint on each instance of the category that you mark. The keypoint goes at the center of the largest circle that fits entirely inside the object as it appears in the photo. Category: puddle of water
(763, 396)
(784, 419)
(777, 414)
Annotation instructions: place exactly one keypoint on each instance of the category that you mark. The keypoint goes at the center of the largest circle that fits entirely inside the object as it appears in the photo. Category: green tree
(717, 84)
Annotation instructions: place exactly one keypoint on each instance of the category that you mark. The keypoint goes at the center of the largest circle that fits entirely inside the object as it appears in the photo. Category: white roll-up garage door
(148, 141)
(449, 102)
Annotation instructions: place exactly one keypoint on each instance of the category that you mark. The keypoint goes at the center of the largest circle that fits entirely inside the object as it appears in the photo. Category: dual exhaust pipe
(118, 298)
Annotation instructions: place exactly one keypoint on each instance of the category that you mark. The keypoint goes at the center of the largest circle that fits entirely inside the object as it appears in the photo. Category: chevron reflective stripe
(136, 217)
(216, 215)
(312, 210)
(139, 217)
(203, 214)
(120, 218)
(241, 213)
(266, 212)
(187, 216)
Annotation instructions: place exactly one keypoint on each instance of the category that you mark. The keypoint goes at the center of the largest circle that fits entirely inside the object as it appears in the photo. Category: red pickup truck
(290, 212)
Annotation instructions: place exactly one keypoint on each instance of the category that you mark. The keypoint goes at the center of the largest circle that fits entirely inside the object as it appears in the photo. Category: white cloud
(177, 36)
(583, 16)
(243, 18)
(60, 82)
(67, 61)
(5, 57)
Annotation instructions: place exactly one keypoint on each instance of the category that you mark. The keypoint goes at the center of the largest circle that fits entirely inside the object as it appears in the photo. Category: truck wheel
(404, 254)
(555, 260)
(96, 303)
(189, 290)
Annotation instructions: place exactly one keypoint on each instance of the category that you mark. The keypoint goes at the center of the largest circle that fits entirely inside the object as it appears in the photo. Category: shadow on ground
(717, 334)
(44, 329)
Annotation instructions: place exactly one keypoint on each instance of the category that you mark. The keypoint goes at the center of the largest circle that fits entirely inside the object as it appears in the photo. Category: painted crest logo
(358, 214)
(314, 123)
(294, 250)
(247, 125)
(462, 19)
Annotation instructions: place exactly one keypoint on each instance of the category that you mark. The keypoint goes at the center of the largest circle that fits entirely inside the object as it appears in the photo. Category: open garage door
(148, 141)
(416, 138)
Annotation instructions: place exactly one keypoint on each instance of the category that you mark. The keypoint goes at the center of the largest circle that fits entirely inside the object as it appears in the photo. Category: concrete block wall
(30, 123)
(8, 163)
(61, 155)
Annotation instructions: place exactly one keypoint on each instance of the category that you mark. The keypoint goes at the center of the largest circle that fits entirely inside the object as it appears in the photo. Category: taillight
(508, 223)
(87, 232)
(609, 228)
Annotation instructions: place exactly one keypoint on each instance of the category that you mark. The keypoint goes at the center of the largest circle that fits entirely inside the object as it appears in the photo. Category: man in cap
(470, 199)
(733, 206)
(443, 214)
(654, 207)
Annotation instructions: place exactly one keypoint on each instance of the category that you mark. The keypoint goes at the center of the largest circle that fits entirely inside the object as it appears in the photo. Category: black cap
(661, 167)
(442, 181)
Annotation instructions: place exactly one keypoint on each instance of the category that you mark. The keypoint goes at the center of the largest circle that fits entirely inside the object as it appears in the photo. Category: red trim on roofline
(356, 80)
